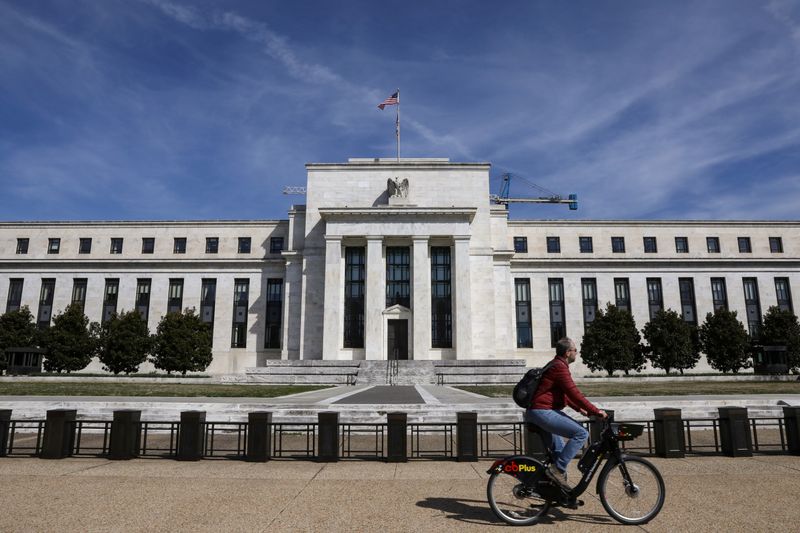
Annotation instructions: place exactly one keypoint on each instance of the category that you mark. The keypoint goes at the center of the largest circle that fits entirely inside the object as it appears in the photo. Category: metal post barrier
(596, 426)
(258, 436)
(467, 436)
(534, 446)
(791, 418)
(328, 443)
(5, 425)
(397, 435)
(125, 434)
(59, 433)
(191, 436)
(668, 429)
(734, 429)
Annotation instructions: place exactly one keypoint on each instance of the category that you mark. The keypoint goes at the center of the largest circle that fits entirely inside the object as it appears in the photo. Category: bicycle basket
(627, 431)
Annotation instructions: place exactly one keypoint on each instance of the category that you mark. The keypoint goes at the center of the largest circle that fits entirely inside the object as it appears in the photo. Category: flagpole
(397, 125)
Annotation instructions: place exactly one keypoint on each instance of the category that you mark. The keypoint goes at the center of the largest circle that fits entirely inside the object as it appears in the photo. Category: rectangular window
(148, 245)
(110, 299)
(275, 245)
(398, 276)
(712, 243)
(272, 337)
(143, 297)
(46, 302)
(622, 294)
(744, 245)
(175, 296)
(521, 245)
(85, 245)
(14, 294)
(650, 245)
(441, 304)
(522, 292)
(586, 245)
(776, 245)
(244, 245)
(116, 245)
(618, 245)
(682, 245)
(752, 305)
(553, 245)
(241, 296)
(53, 245)
(79, 292)
(208, 302)
(719, 293)
(179, 245)
(784, 294)
(655, 299)
(558, 329)
(354, 274)
(22, 246)
(589, 290)
(688, 309)
(212, 245)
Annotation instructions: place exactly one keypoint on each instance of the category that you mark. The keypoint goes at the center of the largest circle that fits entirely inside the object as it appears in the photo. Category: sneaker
(558, 476)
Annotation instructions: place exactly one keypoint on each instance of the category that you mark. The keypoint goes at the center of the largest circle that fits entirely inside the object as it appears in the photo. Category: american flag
(392, 100)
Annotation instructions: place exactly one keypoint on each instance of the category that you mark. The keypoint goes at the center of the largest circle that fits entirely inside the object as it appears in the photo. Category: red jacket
(556, 390)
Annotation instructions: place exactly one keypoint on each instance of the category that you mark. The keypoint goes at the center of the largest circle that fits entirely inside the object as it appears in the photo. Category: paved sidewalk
(703, 494)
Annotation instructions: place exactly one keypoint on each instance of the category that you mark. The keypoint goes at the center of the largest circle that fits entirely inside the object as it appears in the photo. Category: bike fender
(526, 469)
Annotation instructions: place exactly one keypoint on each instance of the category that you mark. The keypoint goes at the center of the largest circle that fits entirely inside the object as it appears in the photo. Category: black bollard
(258, 436)
(191, 436)
(668, 429)
(734, 432)
(125, 435)
(467, 436)
(59, 433)
(5, 427)
(328, 443)
(791, 418)
(534, 443)
(397, 443)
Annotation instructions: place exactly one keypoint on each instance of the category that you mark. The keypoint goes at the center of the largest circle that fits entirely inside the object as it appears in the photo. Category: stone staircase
(396, 373)
(479, 372)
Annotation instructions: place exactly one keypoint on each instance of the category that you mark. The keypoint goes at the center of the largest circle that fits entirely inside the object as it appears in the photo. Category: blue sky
(173, 109)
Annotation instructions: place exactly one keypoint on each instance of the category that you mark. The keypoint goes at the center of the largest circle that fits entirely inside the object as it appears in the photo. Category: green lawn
(94, 388)
(669, 388)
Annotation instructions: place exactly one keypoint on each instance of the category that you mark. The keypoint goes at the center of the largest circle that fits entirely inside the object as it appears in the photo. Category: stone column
(462, 302)
(374, 299)
(421, 294)
(331, 328)
(292, 301)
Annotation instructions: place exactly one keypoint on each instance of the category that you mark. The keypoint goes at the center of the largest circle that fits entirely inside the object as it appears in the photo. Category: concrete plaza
(703, 494)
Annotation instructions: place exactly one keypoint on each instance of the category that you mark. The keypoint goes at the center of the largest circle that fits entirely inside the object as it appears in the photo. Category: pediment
(397, 309)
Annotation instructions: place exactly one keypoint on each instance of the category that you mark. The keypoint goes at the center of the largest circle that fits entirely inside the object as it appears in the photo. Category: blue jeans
(557, 423)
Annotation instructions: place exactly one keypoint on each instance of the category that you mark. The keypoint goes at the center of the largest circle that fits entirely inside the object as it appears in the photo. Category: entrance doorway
(397, 339)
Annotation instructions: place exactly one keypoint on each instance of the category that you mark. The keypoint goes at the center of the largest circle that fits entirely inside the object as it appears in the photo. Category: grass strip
(94, 388)
(671, 388)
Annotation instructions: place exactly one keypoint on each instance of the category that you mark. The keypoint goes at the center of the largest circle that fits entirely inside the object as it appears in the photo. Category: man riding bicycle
(555, 391)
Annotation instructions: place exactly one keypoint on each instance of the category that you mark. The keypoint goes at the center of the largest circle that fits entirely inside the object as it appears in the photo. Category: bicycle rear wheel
(637, 501)
(513, 502)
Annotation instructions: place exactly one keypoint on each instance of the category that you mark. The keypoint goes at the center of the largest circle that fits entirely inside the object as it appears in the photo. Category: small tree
(69, 343)
(124, 343)
(17, 329)
(182, 343)
(781, 328)
(669, 341)
(612, 342)
(725, 341)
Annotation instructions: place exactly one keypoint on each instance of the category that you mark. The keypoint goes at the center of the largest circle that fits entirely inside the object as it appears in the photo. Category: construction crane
(290, 189)
(549, 197)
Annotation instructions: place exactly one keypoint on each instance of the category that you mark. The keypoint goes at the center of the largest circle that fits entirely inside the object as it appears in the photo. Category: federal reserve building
(406, 260)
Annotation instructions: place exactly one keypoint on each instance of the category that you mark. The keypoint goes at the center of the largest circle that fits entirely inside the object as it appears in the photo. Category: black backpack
(526, 388)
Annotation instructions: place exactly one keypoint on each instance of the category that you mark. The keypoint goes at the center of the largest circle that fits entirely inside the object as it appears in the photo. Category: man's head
(566, 347)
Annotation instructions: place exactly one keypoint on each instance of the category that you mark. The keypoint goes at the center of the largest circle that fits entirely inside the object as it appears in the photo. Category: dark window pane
(553, 245)
(521, 245)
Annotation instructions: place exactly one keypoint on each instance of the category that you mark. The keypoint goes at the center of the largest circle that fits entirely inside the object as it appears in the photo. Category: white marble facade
(349, 205)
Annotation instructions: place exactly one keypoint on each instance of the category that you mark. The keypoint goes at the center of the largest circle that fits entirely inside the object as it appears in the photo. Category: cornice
(339, 213)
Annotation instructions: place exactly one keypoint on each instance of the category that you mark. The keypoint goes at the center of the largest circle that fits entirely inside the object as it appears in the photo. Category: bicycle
(631, 489)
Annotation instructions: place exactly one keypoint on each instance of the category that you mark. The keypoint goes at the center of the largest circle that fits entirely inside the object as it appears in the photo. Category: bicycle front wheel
(513, 502)
(636, 500)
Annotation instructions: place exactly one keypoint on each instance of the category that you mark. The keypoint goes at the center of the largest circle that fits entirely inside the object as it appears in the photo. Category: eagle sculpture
(397, 188)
